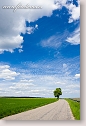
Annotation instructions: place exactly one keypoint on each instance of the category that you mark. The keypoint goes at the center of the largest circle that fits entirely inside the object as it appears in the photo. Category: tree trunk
(57, 96)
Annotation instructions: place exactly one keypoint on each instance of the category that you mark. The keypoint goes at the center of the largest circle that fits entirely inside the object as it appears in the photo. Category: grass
(10, 106)
(75, 108)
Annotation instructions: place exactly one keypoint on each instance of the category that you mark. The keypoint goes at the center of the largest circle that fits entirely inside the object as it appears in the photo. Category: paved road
(59, 110)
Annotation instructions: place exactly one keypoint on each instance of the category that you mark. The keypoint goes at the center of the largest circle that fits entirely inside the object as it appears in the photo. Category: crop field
(10, 106)
(76, 99)
(75, 107)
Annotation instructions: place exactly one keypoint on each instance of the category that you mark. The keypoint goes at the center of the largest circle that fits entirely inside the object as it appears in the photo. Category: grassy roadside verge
(75, 108)
(10, 106)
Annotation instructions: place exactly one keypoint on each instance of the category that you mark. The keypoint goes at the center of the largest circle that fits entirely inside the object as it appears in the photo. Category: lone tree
(57, 92)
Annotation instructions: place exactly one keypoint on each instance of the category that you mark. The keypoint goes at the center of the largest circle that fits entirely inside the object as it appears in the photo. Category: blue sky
(40, 49)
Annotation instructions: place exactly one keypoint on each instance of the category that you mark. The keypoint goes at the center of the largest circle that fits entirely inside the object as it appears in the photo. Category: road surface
(59, 110)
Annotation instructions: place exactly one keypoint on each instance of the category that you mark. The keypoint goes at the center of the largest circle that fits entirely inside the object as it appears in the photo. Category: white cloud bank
(23, 83)
(12, 24)
(6, 73)
(9, 44)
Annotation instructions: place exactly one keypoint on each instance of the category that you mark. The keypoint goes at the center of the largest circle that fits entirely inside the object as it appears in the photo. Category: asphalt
(59, 110)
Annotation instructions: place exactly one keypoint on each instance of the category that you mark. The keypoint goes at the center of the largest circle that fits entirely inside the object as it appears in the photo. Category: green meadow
(10, 106)
(75, 107)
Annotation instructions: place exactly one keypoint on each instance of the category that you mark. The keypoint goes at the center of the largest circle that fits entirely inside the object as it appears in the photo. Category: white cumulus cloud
(6, 73)
(74, 11)
(9, 44)
(12, 24)
(77, 75)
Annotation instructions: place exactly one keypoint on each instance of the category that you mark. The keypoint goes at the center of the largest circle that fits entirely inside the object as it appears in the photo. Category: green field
(10, 106)
(75, 108)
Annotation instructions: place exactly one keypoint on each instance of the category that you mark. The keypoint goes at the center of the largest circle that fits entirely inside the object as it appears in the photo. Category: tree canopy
(57, 92)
